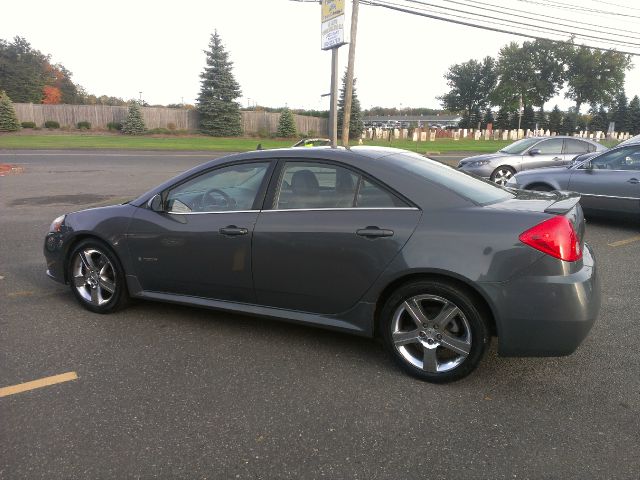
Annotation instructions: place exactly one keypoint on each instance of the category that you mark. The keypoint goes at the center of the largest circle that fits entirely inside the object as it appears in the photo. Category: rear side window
(577, 146)
(549, 147)
(317, 185)
(482, 192)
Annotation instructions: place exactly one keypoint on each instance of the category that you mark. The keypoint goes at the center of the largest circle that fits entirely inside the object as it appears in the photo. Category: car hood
(486, 156)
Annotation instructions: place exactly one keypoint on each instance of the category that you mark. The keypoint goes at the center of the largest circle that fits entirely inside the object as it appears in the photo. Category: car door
(328, 233)
(200, 243)
(544, 154)
(610, 181)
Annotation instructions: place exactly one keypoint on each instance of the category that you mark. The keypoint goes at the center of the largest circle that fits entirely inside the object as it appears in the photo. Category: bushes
(28, 124)
(51, 124)
(117, 126)
(84, 125)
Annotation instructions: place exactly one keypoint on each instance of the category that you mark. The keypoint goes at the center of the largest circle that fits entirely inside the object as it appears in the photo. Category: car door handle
(557, 159)
(232, 230)
(374, 232)
(634, 181)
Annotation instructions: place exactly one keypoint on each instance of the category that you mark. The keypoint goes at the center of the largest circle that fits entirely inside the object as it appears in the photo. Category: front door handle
(232, 230)
(634, 181)
(557, 159)
(374, 232)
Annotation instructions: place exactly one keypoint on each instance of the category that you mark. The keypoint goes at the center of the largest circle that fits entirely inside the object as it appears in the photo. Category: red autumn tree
(51, 95)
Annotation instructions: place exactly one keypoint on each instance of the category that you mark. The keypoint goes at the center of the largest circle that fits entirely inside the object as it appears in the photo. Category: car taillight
(555, 237)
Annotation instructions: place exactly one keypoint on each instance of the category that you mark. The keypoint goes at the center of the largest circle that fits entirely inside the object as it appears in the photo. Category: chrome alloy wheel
(431, 333)
(502, 176)
(94, 277)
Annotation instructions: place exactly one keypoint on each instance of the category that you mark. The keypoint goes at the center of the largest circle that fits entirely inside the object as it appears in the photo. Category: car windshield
(516, 148)
(480, 191)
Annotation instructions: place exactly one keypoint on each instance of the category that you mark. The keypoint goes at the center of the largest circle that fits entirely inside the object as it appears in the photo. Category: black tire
(502, 174)
(465, 331)
(92, 279)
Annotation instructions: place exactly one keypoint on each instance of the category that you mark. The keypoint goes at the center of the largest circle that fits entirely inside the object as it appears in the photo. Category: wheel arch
(79, 237)
(446, 277)
(539, 183)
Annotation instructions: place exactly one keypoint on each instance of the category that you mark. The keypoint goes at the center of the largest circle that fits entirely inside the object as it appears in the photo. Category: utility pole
(333, 111)
(348, 88)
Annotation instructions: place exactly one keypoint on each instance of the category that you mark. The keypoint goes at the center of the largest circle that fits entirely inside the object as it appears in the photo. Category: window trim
(260, 193)
(276, 179)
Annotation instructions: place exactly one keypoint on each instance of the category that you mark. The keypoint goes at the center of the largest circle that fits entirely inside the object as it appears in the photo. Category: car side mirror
(155, 203)
(535, 151)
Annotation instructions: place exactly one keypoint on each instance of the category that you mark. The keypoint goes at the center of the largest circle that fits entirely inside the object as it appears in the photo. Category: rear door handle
(374, 232)
(233, 231)
(633, 181)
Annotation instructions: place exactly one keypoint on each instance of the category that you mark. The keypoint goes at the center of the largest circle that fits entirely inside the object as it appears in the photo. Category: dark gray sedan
(607, 182)
(526, 154)
(371, 241)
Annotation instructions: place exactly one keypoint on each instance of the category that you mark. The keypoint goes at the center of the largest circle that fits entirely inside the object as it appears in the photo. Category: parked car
(378, 242)
(631, 140)
(607, 181)
(528, 153)
(312, 142)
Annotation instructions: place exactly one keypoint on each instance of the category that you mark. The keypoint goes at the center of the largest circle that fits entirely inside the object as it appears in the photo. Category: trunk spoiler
(565, 202)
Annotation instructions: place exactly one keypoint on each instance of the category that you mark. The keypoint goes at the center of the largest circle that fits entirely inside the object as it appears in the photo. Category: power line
(515, 22)
(377, 3)
(572, 7)
(615, 5)
(510, 13)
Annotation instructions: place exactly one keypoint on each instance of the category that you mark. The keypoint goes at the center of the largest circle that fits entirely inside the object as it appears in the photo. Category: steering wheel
(209, 199)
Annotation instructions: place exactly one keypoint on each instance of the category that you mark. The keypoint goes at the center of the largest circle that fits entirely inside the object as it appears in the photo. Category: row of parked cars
(607, 179)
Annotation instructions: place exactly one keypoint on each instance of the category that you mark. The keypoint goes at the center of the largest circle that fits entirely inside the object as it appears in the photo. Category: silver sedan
(528, 153)
(607, 181)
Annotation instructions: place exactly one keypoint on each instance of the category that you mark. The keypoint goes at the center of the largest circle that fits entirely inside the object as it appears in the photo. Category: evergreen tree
(620, 113)
(134, 124)
(502, 120)
(555, 120)
(599, 119)
(634, 115)
(217, 106)
(286, 124)
(541, 119)
(488, 119)
(8, 118)
(528, 118)
(570, 122)
(356, 125)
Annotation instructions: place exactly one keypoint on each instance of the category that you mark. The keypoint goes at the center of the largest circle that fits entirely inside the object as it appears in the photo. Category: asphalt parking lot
(164, 391)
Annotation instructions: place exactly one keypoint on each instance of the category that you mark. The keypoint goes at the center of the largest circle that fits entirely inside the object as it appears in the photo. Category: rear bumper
(542, 316)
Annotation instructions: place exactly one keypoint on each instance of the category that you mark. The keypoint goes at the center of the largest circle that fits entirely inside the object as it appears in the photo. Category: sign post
(332, 38)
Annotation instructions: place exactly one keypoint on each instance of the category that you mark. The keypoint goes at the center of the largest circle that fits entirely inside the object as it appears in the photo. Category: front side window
(518, 148)
(224, 189)
(316, 185)
(627, 158)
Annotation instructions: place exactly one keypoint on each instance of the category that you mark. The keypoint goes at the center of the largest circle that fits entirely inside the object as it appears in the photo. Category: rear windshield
(482, 192)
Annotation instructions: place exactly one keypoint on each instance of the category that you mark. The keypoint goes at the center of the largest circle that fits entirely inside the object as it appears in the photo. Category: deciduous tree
(51, 95)
(470, 85)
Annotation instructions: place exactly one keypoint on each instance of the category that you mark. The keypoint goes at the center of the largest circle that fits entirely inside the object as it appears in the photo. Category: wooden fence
(254, 123)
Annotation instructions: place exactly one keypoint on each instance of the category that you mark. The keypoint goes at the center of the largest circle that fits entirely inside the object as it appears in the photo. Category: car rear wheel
(96, 277)
(434, 331)
(501, 175)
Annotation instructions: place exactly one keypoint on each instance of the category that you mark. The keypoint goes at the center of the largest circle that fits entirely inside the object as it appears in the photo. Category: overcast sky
(120, 48)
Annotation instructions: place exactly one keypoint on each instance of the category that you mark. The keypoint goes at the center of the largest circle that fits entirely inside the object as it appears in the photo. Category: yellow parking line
(42, 382)
(625, 242)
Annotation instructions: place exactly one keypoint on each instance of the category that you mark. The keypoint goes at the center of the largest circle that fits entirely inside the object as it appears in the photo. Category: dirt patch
(77, 199)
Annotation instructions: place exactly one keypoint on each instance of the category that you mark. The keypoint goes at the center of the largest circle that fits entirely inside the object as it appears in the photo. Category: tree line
(534, 72)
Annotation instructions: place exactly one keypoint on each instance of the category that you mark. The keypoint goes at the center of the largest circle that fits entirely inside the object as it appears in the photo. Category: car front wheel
(434, 331)
(96, 277)
(501, 175)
